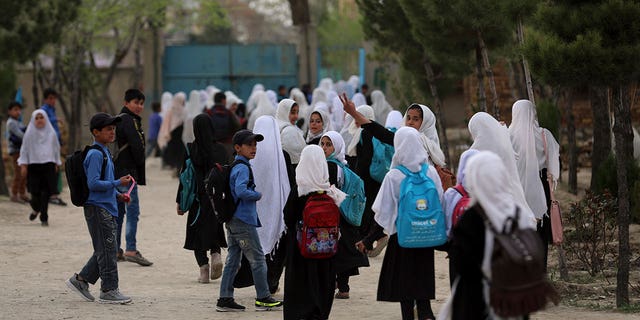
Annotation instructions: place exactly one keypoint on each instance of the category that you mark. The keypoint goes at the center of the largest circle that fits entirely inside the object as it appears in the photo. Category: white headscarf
(380, 106)
(165, 103)
(489, 135)
(252, 101)
(312, 174)
(326, 124)
(394, 120)
(317, 96)
(338, 145)
(451, 195)
(271, 179)
(304, 109)
(326, 84)
(264, 107)
(174, 118)
(193, 109)
(39, 145)
(232, 99)
(409, 153)
(354, 81)
(211, 91)
(337, 114)
(273, 97)
(355, 131)
(526, 138)
(292, 139)
(359, 99)
(430, 139)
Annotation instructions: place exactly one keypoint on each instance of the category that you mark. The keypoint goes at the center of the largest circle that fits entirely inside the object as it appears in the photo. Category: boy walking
(15, 129)
(242, 236)
(100, 212)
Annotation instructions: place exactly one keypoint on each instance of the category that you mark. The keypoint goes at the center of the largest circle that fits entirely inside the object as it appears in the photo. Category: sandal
(33, 215)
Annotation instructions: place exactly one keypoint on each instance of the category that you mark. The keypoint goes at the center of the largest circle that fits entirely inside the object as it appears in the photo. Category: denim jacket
(247, 194)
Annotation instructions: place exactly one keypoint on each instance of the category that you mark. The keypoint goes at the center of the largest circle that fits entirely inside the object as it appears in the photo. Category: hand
(120, 197)
(348, 105)
(126, 180)
(180, 212)
(361, 247)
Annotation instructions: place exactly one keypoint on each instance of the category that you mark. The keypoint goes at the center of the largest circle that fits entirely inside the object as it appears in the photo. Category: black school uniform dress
(466, 254)
(309, 284)
(173, 154)
(348, 258)
(364, 149)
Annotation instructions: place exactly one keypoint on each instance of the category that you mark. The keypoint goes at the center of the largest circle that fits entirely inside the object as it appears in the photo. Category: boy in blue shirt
(242, 236)
(100, 212)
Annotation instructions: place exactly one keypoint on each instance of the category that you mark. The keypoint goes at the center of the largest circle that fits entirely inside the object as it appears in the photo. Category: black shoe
(57, 201)
(45, 223)
(228, 305)
(267, 304)
(33, 216)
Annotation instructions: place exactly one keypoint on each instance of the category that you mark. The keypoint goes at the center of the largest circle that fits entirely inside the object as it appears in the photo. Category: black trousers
(42, 182)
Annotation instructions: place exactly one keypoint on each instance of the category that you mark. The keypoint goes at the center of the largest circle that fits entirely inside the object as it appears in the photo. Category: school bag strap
(104, 159)
(423, 170)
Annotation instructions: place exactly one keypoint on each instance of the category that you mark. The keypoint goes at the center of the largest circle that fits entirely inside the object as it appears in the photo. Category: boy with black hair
(242, 236)
(15, 130)
(49, 106)
(130, 159)
(100, 212)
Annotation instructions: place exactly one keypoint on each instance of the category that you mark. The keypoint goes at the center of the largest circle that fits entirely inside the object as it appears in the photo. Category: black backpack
(77, 177)
(218, 188)
(519, 284)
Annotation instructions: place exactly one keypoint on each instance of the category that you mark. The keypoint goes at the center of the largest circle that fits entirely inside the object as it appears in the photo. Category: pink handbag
(554, 211)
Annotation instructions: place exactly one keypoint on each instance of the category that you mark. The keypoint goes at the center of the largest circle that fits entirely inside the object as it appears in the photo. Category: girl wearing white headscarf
(39, 161)
(232, 101)
(194, 107)
(348, 259)
(273, 97)
(264, 107)
(292, 139)
(304, 109)
(272, 181)
(489, 135)
(359, 99)
(394, 120)
(472, 243)
(356, 131)
(309, 284)
(319, 123)
(408, 274)
(380, 105)
(528, 140)
(252, 101)
(451, 195)
(165, 103)
(337, 114)
(170, 135)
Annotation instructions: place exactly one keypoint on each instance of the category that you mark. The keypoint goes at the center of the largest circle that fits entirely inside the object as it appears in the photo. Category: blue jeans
(132, 210)
(102, 264)
(243, 238)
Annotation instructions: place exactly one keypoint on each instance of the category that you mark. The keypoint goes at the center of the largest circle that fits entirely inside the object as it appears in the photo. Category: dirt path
(35, 261)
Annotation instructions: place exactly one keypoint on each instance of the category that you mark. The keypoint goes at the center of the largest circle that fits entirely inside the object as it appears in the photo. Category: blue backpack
(381, 160)
(352, 208)
(421, 221)
(189, 185)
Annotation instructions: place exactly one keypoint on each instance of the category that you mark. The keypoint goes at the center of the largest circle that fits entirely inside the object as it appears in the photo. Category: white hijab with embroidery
(271, 179)
(39, 145)
(409, 153)
(527, 140)
(489, 135)
(355, 131)
(312, 174)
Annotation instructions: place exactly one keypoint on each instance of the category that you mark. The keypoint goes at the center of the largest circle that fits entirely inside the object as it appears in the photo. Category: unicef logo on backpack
(420, 222)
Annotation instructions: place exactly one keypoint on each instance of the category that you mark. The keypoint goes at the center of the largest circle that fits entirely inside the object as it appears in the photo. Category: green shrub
(549, 117)
(606, 178)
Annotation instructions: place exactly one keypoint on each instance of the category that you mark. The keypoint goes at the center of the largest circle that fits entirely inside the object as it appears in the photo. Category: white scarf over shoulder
(194, 107)
(526, 138)
(409, 153)
(312, 174)
(264, 107)
(291, 136)
(355, 131)
(489, 135)
(394, 120)
(272, 181)
(380, 106)
(39, 145)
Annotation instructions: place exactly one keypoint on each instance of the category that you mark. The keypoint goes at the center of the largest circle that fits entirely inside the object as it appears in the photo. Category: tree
(598, 42)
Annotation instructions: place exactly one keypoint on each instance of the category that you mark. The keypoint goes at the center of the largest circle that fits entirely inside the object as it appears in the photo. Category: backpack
(462, 204)
(447, 178)
(77, 177)
(218, 189)
(319, 230)
(352, 208)
(381, 160)
(519, 284)
(189, 185)
(421, 222)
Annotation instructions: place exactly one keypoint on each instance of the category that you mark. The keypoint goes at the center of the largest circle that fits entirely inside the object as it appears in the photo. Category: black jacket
(130, 159)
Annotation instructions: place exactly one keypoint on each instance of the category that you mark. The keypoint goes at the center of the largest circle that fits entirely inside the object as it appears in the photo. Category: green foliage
(215, 24)
(7, 85)
(340, 35)
(549, 117)
(595, 229)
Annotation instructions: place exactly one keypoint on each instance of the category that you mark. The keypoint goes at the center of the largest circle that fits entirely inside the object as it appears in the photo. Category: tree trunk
(525, 64)
(3, 185)
(482, 97)
(573, 152)
(601, 129)
(440, 119)
(624, 149)
(562, 264)
(495, 103)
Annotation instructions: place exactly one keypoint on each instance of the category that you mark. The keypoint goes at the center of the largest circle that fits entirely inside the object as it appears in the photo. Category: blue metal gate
(229, 67)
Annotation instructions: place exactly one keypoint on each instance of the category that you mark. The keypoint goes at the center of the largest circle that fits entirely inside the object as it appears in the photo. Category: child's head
(327, 146)
(413, 117)
(220, 98)
(14, 110)
(316, 122)
(156, 107)
(293, 113)
(50, 95)
(40, 120)
(103, 127)
(245, 143)
(134, 100)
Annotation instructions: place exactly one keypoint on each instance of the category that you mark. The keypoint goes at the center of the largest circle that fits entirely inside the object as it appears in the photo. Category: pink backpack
(462, 204)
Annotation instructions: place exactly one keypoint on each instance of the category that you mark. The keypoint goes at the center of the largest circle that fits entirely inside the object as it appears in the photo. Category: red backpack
(462, 204)
(319, 230)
